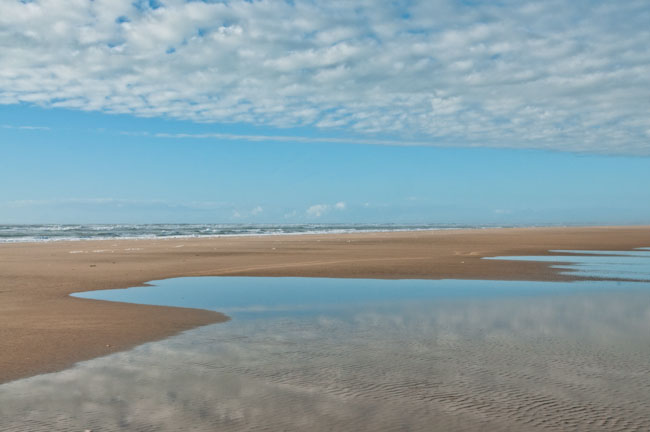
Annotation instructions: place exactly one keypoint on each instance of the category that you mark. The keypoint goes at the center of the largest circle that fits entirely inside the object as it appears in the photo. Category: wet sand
(42, 329)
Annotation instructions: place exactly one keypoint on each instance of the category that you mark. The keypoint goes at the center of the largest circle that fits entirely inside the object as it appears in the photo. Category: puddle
(630, 265)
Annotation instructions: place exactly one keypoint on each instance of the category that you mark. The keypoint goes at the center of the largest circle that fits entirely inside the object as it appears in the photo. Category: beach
(43, 329)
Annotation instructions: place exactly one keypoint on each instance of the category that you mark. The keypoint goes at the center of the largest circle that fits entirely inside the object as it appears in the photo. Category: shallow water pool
(345, 354)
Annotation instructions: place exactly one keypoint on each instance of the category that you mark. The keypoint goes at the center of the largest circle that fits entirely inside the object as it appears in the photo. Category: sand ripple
(566, 363)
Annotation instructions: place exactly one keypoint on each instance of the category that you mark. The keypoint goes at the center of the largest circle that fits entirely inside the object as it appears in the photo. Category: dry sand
(42, 329)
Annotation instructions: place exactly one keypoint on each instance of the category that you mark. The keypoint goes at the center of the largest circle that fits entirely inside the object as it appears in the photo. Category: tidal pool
(624, 265)
(346, 354)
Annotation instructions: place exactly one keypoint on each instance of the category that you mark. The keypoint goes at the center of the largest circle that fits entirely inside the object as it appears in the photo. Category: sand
(42, 329)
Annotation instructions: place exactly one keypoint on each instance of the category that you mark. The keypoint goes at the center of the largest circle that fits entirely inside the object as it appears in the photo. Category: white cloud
(317, 210)
(240, 214)
(279, 138)
(23, 127)
(562, 75)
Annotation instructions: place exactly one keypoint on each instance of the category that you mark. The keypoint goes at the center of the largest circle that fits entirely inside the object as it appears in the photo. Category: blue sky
(313, 111)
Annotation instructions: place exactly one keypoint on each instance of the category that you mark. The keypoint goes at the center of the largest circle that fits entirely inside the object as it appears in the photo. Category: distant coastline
(36, 233)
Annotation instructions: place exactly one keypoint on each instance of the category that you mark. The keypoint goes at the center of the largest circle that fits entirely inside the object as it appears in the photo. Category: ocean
(60, 232)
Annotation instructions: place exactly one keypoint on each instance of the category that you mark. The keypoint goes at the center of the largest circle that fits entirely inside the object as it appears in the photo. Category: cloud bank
(561, 75)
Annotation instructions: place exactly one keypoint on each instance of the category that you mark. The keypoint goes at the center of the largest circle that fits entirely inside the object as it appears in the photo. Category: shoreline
(216, 236)
(3, 240)
(44, 329)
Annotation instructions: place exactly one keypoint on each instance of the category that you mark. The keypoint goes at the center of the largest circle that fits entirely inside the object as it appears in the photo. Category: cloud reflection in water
(557, 361)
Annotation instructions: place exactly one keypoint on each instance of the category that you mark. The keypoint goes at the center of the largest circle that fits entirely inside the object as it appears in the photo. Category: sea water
(72, 232)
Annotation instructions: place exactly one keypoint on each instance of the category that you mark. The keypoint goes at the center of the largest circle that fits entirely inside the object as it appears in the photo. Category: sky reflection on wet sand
(559, 357)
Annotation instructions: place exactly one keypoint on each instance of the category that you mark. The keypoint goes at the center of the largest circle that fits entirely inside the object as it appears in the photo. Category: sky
(435, 111)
